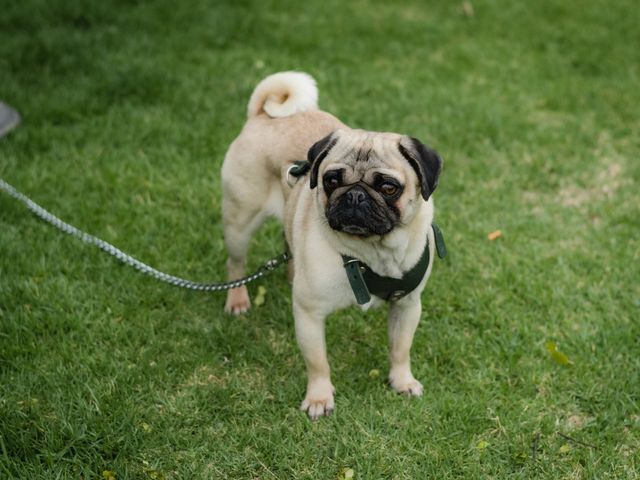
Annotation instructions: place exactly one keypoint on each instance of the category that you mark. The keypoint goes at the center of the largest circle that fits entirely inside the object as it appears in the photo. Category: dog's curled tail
(283, 94)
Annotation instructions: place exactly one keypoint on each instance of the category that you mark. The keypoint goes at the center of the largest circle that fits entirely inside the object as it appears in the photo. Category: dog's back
(283, 122)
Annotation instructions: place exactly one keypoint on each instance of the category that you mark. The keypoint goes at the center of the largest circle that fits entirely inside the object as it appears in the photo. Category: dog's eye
(332, 180)
(389, 189)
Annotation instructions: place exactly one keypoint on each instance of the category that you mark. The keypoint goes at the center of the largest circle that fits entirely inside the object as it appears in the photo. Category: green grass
(128, 109)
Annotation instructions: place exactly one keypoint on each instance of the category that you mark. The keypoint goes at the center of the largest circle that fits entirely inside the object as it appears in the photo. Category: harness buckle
(397, 295)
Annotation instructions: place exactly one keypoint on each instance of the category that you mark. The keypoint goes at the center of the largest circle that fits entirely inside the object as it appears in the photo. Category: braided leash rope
(127, 259)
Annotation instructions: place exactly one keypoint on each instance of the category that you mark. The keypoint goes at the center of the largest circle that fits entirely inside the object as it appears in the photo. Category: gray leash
(48, 217)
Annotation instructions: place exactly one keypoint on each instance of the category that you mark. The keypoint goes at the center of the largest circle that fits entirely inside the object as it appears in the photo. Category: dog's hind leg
(242, 216)
(239, 227)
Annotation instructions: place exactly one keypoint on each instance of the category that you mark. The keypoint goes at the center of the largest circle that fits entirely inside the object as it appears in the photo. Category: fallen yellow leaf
(482, 444)
(260, 297)
(495, 234)
(557, 355)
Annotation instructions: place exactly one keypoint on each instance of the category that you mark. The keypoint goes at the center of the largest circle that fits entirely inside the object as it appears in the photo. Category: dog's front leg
(404, 316)
(318, 400)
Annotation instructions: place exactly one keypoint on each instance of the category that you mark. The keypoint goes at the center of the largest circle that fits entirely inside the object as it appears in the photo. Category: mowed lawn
(128, 108)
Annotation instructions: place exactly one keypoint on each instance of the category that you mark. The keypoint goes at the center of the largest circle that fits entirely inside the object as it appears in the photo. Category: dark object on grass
(584, 444)
(534, 447)
(9, 119)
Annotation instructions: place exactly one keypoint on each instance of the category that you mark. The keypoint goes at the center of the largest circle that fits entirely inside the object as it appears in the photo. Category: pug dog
(367, 196)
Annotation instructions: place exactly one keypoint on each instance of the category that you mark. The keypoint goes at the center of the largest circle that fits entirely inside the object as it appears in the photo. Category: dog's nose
(355, 196)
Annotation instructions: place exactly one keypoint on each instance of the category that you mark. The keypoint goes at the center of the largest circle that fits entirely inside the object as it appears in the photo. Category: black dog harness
(365, 282)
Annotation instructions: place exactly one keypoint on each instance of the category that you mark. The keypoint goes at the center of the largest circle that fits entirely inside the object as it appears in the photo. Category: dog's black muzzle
(356, 212)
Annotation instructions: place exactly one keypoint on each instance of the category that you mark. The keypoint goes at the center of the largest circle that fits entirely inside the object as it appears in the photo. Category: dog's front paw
(237, 301)
(319, 400)
(406, 384)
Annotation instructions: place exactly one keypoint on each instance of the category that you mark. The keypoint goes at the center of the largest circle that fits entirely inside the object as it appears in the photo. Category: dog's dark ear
(426, 162)
(317, 153)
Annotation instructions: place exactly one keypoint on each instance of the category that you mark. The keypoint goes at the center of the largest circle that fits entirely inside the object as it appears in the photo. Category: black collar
(365, 282)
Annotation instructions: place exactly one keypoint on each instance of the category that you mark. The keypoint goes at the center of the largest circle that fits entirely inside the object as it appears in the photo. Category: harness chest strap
(365, 282)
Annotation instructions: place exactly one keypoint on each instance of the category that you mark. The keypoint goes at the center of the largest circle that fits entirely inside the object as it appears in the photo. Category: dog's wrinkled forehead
(361, 153)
